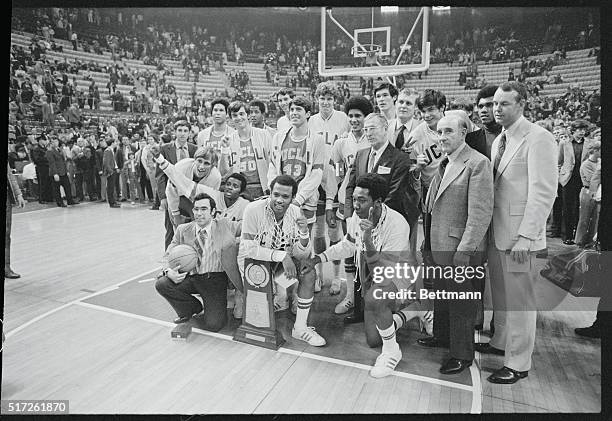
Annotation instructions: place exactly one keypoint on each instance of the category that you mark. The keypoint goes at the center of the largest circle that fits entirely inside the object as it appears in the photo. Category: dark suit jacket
(168, 150)
(108, 163)
(393, 166)
(57, 162)
(478, 140)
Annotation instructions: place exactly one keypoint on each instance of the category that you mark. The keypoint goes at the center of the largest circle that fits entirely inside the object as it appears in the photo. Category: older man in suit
(460, 201)
(525, 182)
(215, 241)
(173, 152)
(394, 166)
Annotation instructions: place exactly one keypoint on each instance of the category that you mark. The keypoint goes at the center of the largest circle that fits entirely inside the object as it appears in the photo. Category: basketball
(183, 255)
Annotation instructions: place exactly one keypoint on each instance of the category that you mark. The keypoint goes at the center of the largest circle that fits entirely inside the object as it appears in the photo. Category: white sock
(303, 308)
(350, 286)
(399, 320)
(390, 344)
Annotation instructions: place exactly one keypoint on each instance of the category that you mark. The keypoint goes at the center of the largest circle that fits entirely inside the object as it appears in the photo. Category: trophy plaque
(258, 324)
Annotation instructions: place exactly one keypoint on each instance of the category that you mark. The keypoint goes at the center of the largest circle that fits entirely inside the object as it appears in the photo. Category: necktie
(500, 153)
(399, 141)
(371, 160)
(435, 185)
(182, 153)
(199, 245)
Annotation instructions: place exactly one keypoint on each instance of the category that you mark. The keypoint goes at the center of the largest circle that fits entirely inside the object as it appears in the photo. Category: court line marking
(55, 310)
(146, 280)
(283, 350)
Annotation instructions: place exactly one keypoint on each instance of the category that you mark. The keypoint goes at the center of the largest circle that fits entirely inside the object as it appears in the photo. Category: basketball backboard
(376, 41)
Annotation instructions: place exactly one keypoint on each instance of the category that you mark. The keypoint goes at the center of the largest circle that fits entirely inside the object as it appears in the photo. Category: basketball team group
(362, 177)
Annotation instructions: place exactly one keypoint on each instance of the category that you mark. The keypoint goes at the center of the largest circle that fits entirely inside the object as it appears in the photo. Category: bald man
(460, 201)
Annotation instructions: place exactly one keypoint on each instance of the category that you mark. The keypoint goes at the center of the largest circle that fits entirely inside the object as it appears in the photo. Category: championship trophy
(258, 324)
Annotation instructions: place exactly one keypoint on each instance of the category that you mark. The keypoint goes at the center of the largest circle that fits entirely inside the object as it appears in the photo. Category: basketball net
(278, 236)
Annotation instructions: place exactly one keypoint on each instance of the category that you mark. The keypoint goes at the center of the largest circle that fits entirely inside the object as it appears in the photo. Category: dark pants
(111, 185)
(211, 287)
(556, 224)
(169, 228)
(65, 183)
(44, 184)
(7, 235)
(88, 184)
(78, 184)
(454, 319)
(145, 185)
(571, 204)
(96, 184)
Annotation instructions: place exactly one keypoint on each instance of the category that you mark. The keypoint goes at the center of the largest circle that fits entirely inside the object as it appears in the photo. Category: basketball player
(378, 238)
(330, 124)
(246, 151)
(386, 95)
(275, 230)
(342, 157)
(211, 136)
(201, 169)
(299, 153)
(229, 202)
(257, 113)
(284, 98)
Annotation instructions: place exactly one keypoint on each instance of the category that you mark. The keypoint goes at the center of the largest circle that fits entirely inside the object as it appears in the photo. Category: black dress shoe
(115, 205)
(353, 318)
(569, 242)
(154, 207)
(8, 273)
(506, 375)
(180, 320)
(454, 366)
(63, 205)
(433, 342)
(589, 332)
(486, 348)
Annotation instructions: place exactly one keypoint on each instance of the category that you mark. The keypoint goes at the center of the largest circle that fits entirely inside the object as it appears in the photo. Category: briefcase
(577, 272)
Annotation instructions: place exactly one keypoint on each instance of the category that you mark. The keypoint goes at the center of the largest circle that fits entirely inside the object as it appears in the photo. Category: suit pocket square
(384, 170)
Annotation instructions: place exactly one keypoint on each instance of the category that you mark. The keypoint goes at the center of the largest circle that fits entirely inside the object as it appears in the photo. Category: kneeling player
(275, 230)
(378, 237)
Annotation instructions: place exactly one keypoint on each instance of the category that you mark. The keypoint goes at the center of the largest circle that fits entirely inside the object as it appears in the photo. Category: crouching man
(215, 241)
(378, 237)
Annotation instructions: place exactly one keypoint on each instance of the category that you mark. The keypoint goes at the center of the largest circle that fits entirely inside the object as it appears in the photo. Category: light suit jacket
(525, 186)
(461, 207)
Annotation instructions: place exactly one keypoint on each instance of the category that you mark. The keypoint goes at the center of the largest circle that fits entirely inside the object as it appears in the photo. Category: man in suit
(525, 182)
(173, 152)
(110, 170)
(393, 165)
(460, 201)
(215, 241)
(59, 171)
(13, 197)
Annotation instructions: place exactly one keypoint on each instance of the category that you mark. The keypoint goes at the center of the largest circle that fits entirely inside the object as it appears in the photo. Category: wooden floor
(81, 328)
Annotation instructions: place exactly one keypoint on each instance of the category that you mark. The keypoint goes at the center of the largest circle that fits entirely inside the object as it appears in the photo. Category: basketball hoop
(369, 51)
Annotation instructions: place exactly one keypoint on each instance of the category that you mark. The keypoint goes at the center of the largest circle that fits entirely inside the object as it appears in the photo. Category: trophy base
(266, 338)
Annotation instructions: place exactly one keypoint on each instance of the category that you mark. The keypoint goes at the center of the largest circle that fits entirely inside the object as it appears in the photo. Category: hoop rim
(371, 49)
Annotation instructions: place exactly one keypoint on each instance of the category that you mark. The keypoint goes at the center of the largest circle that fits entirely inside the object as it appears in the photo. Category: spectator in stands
(39, 157)
(572, 160)
(58, 170)
(590, 174)
(73, 116)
